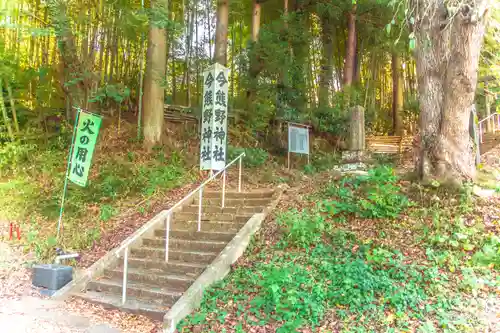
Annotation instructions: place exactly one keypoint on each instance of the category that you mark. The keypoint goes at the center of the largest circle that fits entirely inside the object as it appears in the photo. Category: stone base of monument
(51, 277)
(354, 156)
(352, 168)
(353, 162)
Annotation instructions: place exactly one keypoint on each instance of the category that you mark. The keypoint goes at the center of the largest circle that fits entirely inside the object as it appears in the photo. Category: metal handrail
(125, 246)
(491, 115)
(487, 118)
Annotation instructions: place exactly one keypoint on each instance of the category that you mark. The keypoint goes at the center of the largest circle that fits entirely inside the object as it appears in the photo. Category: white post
(223, 187)
(200, 198)
(167, 235)
(498, 121)
(125, 271)
(481, 132)
(239, 174)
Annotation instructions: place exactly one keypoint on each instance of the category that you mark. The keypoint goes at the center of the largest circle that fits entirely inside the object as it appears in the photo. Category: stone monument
(352, 158)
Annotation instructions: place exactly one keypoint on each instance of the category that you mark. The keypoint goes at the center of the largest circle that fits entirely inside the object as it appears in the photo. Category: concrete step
(208, 226)
(252, 202)
(174, 282)
(150, 308)
(186, 256)
(206, 216)
(240, 195)
(218, 210)
(185, 244)
(164, 296)
(195, 235)
(158, 266)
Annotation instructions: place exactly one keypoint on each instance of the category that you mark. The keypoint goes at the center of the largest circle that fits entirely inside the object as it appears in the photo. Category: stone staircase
(490, 141)
(155, 285)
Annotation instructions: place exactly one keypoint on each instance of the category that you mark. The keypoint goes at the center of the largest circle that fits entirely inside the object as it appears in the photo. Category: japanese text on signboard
(214, 118)
(85, 140)
(298, 140)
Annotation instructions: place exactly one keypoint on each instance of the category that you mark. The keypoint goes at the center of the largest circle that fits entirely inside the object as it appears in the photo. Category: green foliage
(115, 93)
(296, 289)
(333, 119)
(42, 246)
(451, 243)
(107, 212)
(15, 155)
(254, 157)
(302, 229)
(314, 270)
(321, 161)
(34, 191)
(376, 195)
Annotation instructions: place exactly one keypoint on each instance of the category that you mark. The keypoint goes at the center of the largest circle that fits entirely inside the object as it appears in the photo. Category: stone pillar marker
(356, 139)
(352, 159)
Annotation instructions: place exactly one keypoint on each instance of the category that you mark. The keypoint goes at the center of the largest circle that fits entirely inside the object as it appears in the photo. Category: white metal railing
(491, 121)
(126, 245)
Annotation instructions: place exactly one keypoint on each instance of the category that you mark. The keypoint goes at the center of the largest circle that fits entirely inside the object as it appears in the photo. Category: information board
(298, 140)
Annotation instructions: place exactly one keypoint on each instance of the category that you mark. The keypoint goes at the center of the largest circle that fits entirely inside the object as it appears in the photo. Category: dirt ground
(23, 309)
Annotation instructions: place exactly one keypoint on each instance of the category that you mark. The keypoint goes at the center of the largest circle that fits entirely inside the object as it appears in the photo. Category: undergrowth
(453, 241)
(319, 269)
(30, 191)
(254, 157)
(364, 286)
(376, 195)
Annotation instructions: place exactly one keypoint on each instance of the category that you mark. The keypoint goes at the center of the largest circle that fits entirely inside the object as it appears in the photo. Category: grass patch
(363, 285)
(319, 272)
(30, 192)
(376, 195)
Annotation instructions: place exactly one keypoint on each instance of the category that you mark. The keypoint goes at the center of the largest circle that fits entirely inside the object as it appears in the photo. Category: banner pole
(59, 223)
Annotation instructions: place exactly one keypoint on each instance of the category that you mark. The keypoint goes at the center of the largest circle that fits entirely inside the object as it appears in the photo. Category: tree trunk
(397, 95)
(174, 78)
(196, 54)
(113, 48)
(350, 47)
(154, 91)
(326, 75)
(6, 118)
(220, 55)
(12, 105)
(446, 88)
(254, 56)
(300, 52)
(102, 42)
(188, 59)
(283, 73)
(70, 64)
(256, 20)
(209, 28)
(106, 47)
(357, 60)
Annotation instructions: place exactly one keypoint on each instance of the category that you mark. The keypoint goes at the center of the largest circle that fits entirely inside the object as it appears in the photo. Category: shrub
(14, 155)
(303, 229)
(254, 157)
(295, 289)
(375, 195)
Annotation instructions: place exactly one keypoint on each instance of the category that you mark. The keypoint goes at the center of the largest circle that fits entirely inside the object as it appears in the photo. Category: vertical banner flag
(83, 149)
(213, 138)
